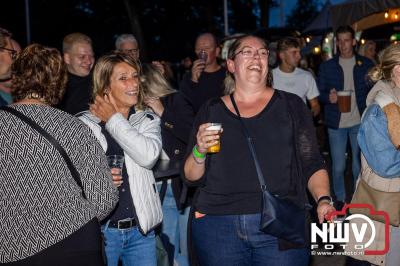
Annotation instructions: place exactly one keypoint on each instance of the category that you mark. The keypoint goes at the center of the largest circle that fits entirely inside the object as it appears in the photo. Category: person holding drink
(205, 80)
(226, 227)
(124, 128)
(341, 80)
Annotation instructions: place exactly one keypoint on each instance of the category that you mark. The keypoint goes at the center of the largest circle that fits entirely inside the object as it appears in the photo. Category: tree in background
(302, 15)
(165, 29)
(265, 6)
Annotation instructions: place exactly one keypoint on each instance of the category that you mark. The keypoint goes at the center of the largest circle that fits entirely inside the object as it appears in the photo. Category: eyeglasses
(131, 51)
(5, 33)
(248, 52)
(11, 51)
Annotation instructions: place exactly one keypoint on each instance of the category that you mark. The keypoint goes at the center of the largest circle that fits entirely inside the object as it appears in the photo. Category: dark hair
(39, 72)
(286, 43)
(345, 29)
(5, 36)
(232, 52)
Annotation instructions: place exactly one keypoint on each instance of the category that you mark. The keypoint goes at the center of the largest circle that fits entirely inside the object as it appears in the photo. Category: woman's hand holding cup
(207, 136)
(116, 176)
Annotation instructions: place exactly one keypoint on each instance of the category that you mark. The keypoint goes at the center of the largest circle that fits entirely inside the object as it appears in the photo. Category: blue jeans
(129, 246)
(236, 240)
(338, 144)
(175, 227)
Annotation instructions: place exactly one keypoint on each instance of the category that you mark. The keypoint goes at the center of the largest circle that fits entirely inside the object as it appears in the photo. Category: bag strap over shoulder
(52, 140)
(251, 146)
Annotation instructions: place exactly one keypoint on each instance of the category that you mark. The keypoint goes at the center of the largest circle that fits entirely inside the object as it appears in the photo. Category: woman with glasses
(226, 224)
(8, 51)
(7, 55)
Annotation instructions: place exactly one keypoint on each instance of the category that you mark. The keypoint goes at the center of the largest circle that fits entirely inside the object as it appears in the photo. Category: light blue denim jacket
(376, 146)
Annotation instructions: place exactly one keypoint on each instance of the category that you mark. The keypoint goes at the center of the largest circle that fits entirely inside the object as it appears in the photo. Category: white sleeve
(312, 91)
(143, 145)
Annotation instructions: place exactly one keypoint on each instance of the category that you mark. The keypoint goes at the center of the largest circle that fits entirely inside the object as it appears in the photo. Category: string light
(317, 50)
(386, 15)
(326, 40)
(362, 41)
(396, 16)
(308, 39)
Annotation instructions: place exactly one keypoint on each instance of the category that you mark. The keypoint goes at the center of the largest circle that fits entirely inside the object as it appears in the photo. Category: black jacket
(78, 94)
(176, 125)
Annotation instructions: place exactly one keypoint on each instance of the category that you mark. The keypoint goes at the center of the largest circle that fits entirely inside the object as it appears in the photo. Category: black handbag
(279, 217)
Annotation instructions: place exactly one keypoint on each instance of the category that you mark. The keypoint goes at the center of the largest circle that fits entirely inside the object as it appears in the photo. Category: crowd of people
(64, 114)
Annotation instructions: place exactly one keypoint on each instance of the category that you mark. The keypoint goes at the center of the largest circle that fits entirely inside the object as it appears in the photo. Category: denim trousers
(338, 144)
(129, 246)
(235, 240)
(174, 226)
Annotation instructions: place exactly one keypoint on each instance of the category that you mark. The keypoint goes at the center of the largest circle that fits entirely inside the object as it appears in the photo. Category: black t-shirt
(125, 208)
(210, 85)
(78, 93)
(230, 184)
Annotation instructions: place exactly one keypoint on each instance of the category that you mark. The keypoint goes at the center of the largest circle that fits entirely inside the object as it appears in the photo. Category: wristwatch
(325, 198)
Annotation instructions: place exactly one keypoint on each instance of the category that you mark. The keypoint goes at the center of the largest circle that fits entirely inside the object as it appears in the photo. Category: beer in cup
(217, 147)
(344, 101)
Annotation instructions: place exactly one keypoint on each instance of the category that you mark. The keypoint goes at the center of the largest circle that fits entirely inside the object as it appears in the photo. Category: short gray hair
(124, 38)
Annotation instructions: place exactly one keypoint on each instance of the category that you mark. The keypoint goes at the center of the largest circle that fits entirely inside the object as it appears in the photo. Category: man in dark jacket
(346, 71)
(206, 79)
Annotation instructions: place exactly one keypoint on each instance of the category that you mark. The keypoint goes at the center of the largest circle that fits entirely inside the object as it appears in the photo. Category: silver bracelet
(196, 159)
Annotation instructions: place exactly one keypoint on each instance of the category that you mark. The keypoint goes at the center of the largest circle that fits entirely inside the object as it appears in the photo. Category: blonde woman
(176, 117)
(379, 140)
(123, 127)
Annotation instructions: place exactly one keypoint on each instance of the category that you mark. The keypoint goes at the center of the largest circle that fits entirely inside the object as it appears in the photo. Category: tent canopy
(362, 12)
(321, 23)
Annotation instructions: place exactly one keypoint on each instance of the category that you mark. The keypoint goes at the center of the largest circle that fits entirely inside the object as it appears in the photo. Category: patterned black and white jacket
(40, 202)
(140, 138)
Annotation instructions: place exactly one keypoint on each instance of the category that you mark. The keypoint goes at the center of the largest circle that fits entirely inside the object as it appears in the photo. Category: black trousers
(81, 248)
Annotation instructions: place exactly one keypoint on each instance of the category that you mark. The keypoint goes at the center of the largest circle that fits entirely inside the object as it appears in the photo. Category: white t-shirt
(351, 118)
(299, 82)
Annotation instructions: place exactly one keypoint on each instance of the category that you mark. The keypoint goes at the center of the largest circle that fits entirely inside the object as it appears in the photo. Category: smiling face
(252, 69)
(124, 86)
(79, 59)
